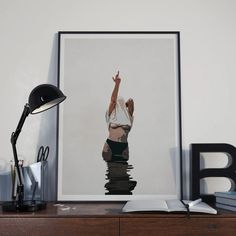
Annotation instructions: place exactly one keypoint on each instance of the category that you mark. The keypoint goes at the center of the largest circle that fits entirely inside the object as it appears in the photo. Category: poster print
(120, 129)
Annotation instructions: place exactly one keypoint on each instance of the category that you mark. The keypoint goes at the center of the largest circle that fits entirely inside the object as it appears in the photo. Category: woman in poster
(119, 118)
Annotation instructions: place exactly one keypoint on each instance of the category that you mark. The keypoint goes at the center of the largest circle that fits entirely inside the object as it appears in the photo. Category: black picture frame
(112, 35)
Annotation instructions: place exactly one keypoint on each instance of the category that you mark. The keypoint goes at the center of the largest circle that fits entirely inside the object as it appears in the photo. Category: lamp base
(25, 206)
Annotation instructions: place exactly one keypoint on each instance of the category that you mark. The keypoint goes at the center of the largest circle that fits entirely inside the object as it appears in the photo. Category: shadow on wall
(48, 128)
(47, 137)
(185, 173)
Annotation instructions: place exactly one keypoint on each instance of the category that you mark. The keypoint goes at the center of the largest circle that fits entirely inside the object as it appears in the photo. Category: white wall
(28, 57)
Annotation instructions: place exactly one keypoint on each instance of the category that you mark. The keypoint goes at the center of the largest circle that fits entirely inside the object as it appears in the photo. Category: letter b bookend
(196, 174)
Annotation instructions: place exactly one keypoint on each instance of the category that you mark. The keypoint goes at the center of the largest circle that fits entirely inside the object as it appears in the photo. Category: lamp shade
(44, 97)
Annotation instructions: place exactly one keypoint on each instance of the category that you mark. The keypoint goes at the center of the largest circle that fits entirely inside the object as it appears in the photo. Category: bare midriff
(119, 133)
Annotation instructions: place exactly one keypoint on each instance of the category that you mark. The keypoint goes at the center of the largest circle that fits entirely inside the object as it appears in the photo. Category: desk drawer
(59, 226)
(177, 226)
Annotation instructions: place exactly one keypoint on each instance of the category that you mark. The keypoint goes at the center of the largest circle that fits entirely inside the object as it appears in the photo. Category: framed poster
(120, 128)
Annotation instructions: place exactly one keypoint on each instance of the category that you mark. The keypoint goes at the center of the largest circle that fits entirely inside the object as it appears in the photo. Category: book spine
(228, 195)
(226, 207)
(226, 201)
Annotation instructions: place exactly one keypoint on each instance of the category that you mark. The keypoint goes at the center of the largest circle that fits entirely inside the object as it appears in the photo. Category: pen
(194, 203)
(12, 173)
(21, 170)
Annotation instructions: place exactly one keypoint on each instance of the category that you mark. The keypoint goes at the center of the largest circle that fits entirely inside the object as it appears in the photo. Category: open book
(172, 205)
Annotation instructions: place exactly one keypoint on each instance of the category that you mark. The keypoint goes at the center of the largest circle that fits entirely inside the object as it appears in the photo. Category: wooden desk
(107, 219)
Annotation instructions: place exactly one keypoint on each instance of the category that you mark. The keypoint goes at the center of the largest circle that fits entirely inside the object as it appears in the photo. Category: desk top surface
(102, 210)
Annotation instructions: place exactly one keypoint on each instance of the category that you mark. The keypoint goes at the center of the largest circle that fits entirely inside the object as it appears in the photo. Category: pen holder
(35, 181)
(5, 186)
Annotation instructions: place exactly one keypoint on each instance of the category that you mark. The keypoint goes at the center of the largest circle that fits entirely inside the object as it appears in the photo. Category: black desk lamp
(42, 97)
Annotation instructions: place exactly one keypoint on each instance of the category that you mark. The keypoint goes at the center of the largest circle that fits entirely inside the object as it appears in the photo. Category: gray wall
(28, 49)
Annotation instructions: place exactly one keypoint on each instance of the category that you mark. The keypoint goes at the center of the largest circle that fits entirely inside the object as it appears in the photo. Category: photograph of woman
(119, 118)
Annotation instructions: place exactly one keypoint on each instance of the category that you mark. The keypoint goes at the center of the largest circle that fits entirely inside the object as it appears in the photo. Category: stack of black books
(226, 200)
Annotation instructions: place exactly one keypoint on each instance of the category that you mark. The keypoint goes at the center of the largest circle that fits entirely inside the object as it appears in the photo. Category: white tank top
(120, 115)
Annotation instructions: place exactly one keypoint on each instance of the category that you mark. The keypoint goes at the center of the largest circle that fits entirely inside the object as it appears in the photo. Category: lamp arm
(14, 137)
(15, 134)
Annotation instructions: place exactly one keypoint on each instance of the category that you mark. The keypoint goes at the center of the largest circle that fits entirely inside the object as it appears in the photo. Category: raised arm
(114, 94)
(130, 105)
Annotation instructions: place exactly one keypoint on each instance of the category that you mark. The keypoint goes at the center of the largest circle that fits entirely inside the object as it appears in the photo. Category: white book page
(175, 205)
(203, 207)
(145, 205)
